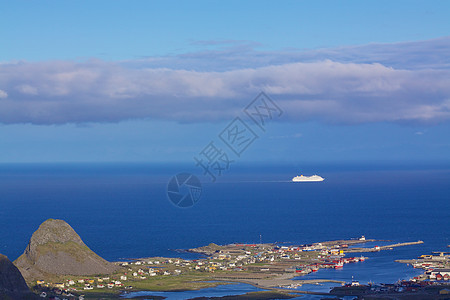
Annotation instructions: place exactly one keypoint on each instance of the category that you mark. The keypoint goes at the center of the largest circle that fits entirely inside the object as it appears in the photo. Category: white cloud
(3, 95)
(331, 91)
(27, 89)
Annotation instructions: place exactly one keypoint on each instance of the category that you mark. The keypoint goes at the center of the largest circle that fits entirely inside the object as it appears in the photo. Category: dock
(401, 244)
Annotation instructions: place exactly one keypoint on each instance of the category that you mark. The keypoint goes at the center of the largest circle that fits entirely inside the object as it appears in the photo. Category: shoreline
(287, 290)
(269, 267)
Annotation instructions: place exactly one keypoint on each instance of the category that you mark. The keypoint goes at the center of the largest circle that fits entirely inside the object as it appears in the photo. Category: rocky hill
(12, 284)
(56, 249)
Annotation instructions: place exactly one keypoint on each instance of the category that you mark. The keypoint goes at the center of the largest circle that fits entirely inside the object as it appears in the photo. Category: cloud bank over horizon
(401, 82)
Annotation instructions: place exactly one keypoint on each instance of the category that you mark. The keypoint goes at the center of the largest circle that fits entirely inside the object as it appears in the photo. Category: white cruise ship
(302, 178)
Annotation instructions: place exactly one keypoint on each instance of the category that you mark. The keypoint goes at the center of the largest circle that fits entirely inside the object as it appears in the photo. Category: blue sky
(158, 80)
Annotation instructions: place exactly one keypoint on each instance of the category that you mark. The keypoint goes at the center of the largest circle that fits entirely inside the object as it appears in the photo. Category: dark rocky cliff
(12, 284)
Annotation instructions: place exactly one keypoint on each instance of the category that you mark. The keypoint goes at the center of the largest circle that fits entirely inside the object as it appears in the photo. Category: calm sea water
(122, 211)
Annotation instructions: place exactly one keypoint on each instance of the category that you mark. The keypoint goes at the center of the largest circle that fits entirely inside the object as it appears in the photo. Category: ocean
(122, 210)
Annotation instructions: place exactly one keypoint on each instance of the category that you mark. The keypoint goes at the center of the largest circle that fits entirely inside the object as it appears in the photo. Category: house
(334, 251)
(443, 272)
(123, 277)
(40, 282)
(440, 274)
(444, 292)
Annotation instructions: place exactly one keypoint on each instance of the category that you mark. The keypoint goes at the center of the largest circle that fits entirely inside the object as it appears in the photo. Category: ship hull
(314, 178)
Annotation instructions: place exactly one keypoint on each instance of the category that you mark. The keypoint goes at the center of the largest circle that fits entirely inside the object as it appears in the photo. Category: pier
(379, 248)
(401, 245)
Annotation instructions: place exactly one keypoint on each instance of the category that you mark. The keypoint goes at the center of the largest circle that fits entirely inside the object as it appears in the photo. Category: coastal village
(268, 266)
(256, 264)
